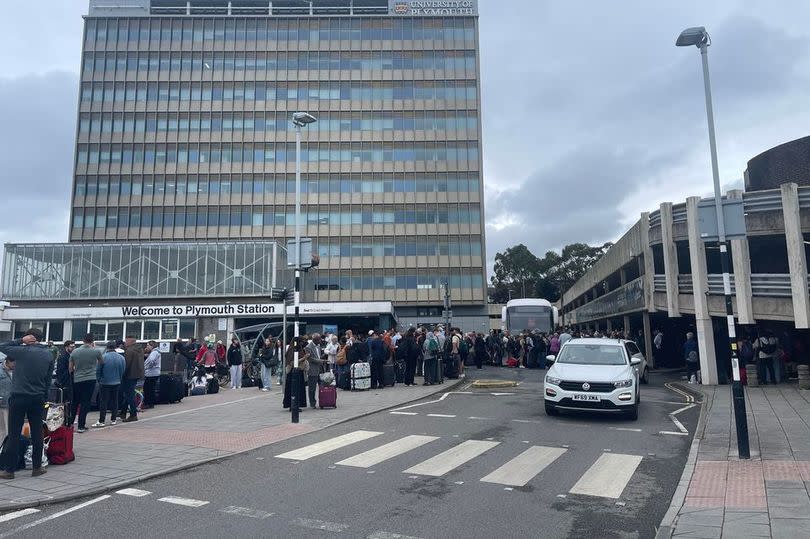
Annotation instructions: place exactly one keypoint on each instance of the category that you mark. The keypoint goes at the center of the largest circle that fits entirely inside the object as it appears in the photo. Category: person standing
(33, 368)
(221, 351)
(378, 354)
(6, 375)
(408, 352)
(331, 352)
(554, 345)
(430, 351)
(313, 352)
(692, 356)
(767, 348)
(267, 361)
(151, 374)
(109, 374)
(480, 350)
(84, 361)
(235, 363)
(133, 371)
(64, 379)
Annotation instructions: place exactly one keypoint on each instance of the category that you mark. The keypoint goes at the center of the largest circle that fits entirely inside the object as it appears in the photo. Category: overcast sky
(590, 113)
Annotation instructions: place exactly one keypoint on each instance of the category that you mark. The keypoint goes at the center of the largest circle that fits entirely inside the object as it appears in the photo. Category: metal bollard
(752, 374)
(804, 377)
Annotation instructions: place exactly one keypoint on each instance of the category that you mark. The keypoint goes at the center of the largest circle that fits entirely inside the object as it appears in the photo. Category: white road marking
(246, 512)
(501, 394)
(326, 446)
(133, 492)
(625, 429)
(452, 458)
(682, 431)
(608, 476)
(389, 535)
(320, 525)
(480, 418)
(522, 469)
(404, 413)
(186, 502)
(440, 399)
(441, 415)
(54, 516)
(384, 452)
(18, 514)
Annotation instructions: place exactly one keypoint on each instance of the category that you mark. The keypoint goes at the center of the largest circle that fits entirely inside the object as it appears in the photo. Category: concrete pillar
(646, 263)
(741, 260)
(648, 339)
(609, 325)
(68, 330)
(626, 322)
(623, 276)
(700, 287)
(796, 257)
(670, 260)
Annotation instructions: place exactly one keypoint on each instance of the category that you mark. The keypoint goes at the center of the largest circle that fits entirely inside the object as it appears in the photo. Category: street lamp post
(299, 119)
(700, 38)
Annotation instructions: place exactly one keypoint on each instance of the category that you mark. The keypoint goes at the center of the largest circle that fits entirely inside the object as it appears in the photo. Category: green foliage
(520, 274)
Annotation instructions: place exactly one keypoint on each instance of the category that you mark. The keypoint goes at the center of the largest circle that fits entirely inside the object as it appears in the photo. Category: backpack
(432, 345)
(768, 345)
(462, 347)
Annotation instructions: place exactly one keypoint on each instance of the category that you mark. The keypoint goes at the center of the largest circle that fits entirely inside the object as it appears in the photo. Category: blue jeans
(128, 389)
(267, 373)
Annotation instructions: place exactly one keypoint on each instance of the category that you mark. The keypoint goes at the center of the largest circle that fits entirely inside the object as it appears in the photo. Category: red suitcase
(327, 396)
(60, 446)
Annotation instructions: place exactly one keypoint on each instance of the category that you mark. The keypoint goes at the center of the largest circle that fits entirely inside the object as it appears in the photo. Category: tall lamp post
(700, 38)
(299, 119)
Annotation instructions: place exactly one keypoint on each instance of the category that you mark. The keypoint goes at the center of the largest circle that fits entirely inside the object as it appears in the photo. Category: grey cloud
(36, 152)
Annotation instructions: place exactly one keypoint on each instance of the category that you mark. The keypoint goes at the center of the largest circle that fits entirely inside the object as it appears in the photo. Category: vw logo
(586, 386)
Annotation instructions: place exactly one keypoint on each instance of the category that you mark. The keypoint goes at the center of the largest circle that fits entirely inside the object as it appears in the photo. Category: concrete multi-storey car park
(184, 135)
(660, 274)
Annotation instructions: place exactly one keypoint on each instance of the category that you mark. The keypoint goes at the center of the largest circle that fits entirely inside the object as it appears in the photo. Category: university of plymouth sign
(436, 8)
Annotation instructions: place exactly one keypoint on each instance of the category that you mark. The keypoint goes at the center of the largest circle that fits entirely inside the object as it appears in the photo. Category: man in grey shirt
(29, 391)
(84, 359)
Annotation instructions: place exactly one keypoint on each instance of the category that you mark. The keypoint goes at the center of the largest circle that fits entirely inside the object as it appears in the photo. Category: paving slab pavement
(200, 429)
(767, 495)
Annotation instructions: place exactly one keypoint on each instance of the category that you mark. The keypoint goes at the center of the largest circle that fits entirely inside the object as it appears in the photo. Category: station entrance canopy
(142, 271)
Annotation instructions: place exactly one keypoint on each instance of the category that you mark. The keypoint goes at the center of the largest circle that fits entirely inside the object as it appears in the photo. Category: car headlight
(624, 383)
(552, 380)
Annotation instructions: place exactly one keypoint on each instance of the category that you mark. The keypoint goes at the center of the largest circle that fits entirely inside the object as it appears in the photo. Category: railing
(660, 283)
(771, 284)
(685, 284)
(716, 285)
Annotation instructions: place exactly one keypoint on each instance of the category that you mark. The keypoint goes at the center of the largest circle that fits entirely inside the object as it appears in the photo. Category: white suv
(595, 374)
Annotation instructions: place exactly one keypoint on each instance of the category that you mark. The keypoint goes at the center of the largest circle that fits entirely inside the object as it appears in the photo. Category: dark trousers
(82, 394)
(376, 373)
(430, 370)
(128, 389)
(108, 400)
(479, 359)
(410, 370)
(312, 388)
(149, 397)
(20, 407)
(691, 368)
(420, 363)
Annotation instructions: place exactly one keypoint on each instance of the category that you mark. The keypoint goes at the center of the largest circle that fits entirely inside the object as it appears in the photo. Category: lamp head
(696, 36)
(301, 119)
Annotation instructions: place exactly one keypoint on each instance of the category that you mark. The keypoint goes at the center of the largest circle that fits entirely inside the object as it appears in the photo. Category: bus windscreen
(529, 318)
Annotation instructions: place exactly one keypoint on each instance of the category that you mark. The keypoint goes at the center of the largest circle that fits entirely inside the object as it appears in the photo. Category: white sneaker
(98, 425)
(114, 422)
(265, 389)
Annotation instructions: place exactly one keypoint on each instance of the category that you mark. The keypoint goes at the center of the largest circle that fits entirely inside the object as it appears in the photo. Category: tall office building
(184, 134)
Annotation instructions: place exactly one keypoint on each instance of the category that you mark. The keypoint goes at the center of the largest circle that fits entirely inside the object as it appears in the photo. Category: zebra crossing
(606, 477)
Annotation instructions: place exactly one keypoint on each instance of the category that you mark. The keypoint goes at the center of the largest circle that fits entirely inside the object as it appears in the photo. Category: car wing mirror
(635, 361)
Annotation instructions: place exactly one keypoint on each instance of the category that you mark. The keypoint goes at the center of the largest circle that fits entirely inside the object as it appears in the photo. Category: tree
(520, 274)
(516, 271)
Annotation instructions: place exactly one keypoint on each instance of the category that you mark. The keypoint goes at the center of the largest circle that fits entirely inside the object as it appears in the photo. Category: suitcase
(389, 375)
(327, 396)
(451, 368)
(360, 375)
(439, 379)
(399, 367)
(343, 378)
(60, 446)
(171, 389)
(22, 447)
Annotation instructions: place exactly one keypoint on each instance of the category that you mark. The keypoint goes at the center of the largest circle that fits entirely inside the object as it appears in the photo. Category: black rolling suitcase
(171, 389)
(451, 367)
(389, 375)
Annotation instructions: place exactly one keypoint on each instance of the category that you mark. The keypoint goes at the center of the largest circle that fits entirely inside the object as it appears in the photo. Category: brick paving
(198, 429)
(766, 496)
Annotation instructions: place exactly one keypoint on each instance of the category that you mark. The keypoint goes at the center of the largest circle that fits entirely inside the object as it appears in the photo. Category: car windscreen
(592, 354)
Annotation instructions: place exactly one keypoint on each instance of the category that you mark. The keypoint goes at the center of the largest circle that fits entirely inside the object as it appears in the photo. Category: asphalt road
(515, 472)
